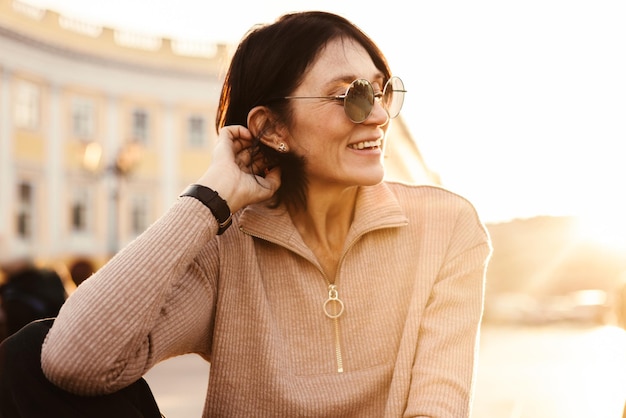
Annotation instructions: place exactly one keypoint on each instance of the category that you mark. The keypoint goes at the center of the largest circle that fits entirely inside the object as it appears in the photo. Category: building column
(56, 208)
(7, 167)
(111, 147)
(169, 156)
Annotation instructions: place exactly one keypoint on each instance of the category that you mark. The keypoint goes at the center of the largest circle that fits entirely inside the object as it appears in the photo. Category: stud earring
(282, 148)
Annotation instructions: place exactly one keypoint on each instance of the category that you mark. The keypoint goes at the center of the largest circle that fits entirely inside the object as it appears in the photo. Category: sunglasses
(358, 101)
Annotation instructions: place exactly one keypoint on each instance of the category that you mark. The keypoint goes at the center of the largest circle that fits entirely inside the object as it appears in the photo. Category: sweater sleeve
(443, 371)
(150, 302)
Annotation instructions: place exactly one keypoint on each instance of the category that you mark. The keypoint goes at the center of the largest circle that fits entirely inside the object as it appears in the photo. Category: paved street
(528, 372)
(551, 372)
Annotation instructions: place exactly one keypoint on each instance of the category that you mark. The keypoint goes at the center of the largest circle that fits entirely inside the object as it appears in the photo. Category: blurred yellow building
(101, 129)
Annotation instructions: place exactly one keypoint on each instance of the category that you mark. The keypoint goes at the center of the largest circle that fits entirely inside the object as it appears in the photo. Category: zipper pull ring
(333, 296)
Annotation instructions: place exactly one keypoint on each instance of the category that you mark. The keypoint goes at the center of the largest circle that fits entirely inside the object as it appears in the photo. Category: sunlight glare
(606, 228)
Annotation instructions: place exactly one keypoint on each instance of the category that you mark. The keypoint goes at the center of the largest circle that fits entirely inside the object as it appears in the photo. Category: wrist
(212, 200)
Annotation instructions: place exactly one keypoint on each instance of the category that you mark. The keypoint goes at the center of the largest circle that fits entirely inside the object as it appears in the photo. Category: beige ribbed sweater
(411, 278)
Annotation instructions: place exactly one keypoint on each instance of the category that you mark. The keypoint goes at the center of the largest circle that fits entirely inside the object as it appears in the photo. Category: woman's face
(338, 151)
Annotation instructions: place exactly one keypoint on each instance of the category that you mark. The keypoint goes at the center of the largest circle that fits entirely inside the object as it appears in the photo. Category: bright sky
(520, 106)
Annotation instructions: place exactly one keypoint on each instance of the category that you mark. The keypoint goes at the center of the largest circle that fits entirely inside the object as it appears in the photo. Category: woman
(328, 292)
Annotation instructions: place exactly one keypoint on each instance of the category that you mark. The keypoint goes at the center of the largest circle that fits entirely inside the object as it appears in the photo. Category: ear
(263, 124)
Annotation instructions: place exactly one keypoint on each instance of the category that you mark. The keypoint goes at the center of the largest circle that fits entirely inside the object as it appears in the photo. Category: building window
(196, 132)
(141, 125)
(83, 119)
(27, 97)
(79, 210)
(139, 213)
(25, 210)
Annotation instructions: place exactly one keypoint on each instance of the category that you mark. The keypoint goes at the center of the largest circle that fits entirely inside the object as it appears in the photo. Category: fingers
(240, 175)
(265, 187)
(240, 140)
(260, 165)
(231, 140)
(252, 163)
(239, 135)
(272, 179)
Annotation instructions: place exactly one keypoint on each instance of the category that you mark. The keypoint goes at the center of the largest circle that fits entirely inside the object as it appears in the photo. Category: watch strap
(212, 200)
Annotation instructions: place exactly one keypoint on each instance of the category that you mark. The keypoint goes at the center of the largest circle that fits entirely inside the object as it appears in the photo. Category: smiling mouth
(366, 145)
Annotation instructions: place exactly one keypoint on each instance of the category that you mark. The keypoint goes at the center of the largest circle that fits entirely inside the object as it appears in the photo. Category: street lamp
(125, 161)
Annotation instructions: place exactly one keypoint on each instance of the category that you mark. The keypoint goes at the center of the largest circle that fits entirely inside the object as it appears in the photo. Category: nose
(379, 114)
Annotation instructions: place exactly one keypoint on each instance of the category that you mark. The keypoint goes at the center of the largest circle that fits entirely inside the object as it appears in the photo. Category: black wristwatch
(218, 206)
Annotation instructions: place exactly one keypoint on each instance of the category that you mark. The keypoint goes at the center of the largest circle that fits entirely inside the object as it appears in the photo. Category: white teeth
(366, 144)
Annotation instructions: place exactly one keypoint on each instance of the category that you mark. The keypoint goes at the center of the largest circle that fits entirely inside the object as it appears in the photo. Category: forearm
(104, 335)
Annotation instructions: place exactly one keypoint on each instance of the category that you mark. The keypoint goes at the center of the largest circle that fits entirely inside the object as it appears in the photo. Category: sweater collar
(376, 208)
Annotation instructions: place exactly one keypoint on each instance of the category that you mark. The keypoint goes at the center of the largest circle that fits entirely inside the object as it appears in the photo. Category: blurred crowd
(30, 291)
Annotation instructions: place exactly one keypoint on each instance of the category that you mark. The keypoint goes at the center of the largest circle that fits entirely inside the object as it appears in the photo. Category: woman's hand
(229, 173)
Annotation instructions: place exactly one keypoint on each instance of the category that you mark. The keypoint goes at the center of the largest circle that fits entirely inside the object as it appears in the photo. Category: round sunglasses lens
(393, 96)
(359, 100)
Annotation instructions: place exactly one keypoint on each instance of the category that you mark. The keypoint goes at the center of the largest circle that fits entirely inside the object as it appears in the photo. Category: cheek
(314, 135)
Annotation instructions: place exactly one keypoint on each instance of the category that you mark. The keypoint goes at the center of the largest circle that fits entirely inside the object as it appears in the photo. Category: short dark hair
(270, 62)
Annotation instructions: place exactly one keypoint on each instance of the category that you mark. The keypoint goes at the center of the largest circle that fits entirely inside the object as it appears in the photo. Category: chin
(372, 179)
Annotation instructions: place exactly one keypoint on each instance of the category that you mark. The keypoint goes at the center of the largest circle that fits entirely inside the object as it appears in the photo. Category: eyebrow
(347, 79)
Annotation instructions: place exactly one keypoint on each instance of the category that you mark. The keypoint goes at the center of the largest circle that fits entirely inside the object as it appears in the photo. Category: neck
(325, 223)
(327, 212)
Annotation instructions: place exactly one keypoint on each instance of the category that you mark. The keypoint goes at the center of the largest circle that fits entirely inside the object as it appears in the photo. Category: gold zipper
(333, 308)
(333, 299)
(338, 347)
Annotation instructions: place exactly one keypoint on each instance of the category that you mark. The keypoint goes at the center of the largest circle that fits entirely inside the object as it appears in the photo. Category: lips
(366, 144)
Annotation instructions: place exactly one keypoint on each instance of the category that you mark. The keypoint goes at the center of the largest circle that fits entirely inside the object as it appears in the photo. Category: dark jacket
(31, 294)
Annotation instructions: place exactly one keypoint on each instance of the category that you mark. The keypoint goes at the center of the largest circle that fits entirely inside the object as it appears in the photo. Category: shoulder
(437, 206)
(439, 212)
(429, 196)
